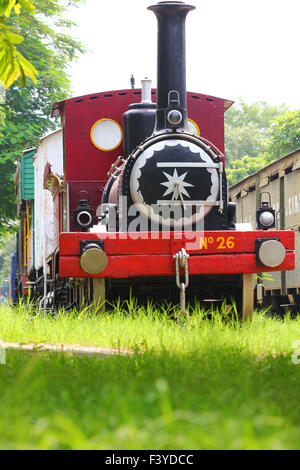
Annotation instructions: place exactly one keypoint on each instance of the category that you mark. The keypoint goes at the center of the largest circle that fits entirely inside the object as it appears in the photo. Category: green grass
(150, 328)
(208, 384)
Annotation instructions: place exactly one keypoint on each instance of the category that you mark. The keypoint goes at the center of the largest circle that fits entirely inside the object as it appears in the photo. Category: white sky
(247, 48)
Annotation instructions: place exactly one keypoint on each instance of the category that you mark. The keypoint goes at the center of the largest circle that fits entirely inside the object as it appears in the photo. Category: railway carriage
(277, 185)
(137, 196)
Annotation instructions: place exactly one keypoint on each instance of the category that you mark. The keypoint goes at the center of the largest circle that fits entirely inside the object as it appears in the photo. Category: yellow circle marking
(97, 146)
(195, 124)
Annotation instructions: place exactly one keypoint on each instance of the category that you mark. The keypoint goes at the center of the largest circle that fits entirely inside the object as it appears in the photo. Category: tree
(252, 132)
(244, 167)
(247, 129)
(12, 63)
(284, 135)
(27, 109)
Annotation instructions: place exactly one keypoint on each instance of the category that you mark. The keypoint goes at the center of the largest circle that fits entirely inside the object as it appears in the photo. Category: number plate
(216, 242)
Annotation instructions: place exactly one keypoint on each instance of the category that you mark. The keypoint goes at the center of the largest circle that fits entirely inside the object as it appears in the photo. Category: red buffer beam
(151, 254)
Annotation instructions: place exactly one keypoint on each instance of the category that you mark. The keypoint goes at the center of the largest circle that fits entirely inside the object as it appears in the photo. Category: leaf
(13, 63)
(27, 5)
(12, 76)
(14, 38)
(28, 68)
(6, 7)
(17, 8)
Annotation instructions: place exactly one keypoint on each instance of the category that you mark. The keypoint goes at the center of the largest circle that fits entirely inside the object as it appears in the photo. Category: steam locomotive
(156, 219)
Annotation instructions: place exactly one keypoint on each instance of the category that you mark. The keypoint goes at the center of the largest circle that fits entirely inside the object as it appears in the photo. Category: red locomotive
(158, 217)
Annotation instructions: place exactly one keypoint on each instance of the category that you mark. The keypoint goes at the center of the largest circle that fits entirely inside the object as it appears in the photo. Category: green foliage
(27, 110)
(6, 6)
(12, 63)
(244, 167)
(257, 134)
(247, 128)
(284, 135)
(243, 140)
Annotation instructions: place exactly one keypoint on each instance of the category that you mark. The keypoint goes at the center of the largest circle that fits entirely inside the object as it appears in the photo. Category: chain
(181, 261)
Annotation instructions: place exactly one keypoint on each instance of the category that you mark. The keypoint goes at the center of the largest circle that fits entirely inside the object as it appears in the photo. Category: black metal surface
(264, 208)
(83, 206)
(171, 62)
(85, 243)
(214, 220)
(164, 289)
(231, 215)
(138, 124)
(153, 180)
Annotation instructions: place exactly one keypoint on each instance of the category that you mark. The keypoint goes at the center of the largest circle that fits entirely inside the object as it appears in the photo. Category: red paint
(154, 257)
(163, 265)
(84, 162)
(169, 242)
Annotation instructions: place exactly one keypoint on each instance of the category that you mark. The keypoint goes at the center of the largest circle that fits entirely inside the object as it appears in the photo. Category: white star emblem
(176, 184)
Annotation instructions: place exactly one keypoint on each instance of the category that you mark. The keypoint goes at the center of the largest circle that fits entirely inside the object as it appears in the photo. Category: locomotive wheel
(248, 296)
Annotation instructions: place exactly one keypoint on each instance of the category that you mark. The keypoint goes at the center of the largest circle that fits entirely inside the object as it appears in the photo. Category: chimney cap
(173, 3)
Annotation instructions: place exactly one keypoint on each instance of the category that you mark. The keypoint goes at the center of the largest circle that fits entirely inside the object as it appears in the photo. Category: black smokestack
(171, 63)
